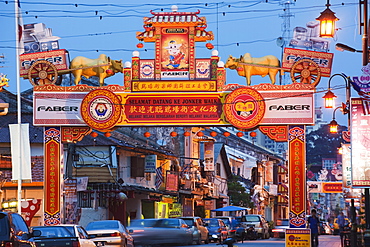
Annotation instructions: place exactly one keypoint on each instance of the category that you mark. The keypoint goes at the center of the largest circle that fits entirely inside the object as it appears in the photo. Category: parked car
(15, 232)
(160, 232)
(260, 224)
(279, 230)
(109, 233)
(217, 229)
(80, 232)
(200, 231)
(55, 236)
(231, 224)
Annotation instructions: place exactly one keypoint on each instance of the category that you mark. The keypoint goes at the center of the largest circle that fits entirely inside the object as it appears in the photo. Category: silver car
(109, 233)
(200, 231)
(160, 232)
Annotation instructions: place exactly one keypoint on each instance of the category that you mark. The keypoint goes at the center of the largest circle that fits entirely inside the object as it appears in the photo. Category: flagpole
(19, 109)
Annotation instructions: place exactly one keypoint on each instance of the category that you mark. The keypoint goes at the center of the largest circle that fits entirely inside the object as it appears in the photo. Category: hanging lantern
(140, 45)
(253, 134)
(200, 134)
(226, 134)
(239, 134)
(147, 134)
(329, 99)
(173, 134)
(107, 134)
(213, 133)
(333, 127)
(186, 133)
(209, 46)
(327, 20)
(94, 134)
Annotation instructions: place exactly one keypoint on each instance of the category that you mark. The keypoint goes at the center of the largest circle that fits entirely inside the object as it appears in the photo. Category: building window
(137, 166)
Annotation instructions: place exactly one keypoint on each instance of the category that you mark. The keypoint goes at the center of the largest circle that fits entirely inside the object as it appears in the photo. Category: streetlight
(327, 20)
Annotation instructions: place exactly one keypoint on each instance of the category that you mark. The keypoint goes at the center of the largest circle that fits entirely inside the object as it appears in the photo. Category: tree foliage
(322, 144)
(238, 193)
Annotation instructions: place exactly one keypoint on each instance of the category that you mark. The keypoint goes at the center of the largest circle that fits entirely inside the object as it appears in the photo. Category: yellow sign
(298, 237)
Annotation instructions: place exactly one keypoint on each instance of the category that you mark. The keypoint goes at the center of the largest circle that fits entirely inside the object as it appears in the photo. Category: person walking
(341, 223)
(313, 224)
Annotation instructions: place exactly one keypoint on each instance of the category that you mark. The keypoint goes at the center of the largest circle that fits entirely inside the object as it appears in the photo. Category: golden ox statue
(247, 66)
(102, 67)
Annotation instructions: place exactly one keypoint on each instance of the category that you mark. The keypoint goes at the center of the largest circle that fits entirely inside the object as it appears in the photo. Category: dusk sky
(89, 28)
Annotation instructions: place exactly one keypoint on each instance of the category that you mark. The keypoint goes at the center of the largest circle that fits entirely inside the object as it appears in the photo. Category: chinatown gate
(178, 89)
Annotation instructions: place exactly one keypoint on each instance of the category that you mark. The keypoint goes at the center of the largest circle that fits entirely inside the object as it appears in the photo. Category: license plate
(99, 243)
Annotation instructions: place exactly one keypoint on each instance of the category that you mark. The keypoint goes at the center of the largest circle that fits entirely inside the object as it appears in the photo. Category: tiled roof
(174, 17)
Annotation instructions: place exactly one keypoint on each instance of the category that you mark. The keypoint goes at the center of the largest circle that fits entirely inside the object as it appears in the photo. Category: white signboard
(346, 165)
(54, 108)
(150, 163)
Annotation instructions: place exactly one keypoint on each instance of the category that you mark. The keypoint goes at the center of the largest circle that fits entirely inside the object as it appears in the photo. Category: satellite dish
(280, 41)
(161, 142)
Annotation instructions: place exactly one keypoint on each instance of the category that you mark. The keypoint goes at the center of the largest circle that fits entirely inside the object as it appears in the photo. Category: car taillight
(232, 231)
(8, 244)
(261, 225)
(115, 234)
(76, 244)
(219, 229)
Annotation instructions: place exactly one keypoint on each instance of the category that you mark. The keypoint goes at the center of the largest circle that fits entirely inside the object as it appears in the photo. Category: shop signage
(363, 81)
(150, 163)
(346, 165)
(298, 237)
(360, 142)
(332, 187)
(209, 164)
(172, 180)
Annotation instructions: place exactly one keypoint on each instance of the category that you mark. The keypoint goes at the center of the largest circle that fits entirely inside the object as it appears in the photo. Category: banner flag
(159, 177)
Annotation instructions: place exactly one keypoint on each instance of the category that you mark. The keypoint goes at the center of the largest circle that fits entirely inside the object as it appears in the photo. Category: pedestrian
(313, 224)
(341, 223)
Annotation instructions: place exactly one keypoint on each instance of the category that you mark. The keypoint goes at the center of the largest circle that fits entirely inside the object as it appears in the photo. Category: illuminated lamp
(239, 134)
(253, 134)
(329, 99)
(94, 134)
(213, 133)
(186, 133)
(147, 134)
(226, 134)
(200, 134)
(140, 45)
(209, 46)
(327, 20)
(173, 134)
(333, 127)
(107, 134)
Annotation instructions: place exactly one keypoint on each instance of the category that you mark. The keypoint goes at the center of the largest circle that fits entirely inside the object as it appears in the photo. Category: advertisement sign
(172, 180)
(298, 237)
(269, 171)
(297, 176)
(174, 53)
(363, 81)
(332, 187)
(150, 163)
(56, 57)
(322, 59)
(360, 141)
(209, 164)
(346, 165)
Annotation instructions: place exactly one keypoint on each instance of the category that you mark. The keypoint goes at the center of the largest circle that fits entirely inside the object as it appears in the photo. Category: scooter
(251, 233)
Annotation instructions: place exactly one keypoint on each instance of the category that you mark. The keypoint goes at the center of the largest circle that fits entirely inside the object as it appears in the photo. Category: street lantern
(333, 127)
(329, 99)
(327, 20)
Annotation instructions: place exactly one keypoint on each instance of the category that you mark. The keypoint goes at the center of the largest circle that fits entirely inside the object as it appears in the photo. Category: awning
(282, 188)
(223, 196)
(282, 199)
(282, 170)
(229, 209)
(246, 159)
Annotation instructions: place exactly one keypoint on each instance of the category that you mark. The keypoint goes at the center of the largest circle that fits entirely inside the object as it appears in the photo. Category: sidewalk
(329, 241)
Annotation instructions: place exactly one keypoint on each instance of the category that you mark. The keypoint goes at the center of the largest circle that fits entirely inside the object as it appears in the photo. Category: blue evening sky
(89, 28)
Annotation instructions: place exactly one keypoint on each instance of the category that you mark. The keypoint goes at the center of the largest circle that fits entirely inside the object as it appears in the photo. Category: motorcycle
(251, 233)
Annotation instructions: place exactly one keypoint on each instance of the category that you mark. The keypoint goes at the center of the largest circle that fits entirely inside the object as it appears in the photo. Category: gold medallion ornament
(244, 108)
(101, 109)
